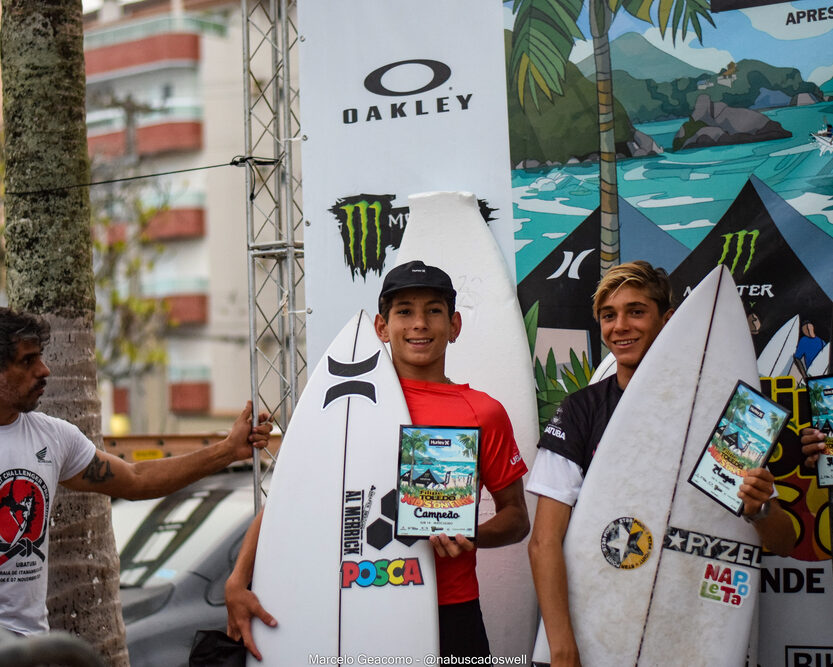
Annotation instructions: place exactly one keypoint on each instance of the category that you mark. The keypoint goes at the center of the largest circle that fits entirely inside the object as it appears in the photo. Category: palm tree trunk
(600, 20)
(49, 264)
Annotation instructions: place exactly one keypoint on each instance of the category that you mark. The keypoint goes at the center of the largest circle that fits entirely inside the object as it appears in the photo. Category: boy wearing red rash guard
(417, 317)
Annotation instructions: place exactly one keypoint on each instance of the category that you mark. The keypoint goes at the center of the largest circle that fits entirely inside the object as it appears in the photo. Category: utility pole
(129, 160)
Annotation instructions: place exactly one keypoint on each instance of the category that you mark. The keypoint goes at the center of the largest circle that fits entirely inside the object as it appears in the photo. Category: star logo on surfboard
(626, 543)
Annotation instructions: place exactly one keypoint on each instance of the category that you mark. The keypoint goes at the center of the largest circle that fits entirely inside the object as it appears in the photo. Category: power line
(236, 161)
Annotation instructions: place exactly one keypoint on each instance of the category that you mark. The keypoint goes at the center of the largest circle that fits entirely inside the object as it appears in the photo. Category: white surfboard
(605, 369)
(328, 567)
(445, 229)
(642, 541)
(777, 356)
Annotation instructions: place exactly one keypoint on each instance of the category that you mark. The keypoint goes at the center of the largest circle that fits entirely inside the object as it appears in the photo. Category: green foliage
(453, 493)
(549, 389)
(565, 127)
(816, 394)
(646, 100)
(543, 37)
(413, 443)
(544, 32)
(690, 128)
(738, 406)
(469, 443)
(128, 325)
(676, 14)
(580, 375)
(531, 326)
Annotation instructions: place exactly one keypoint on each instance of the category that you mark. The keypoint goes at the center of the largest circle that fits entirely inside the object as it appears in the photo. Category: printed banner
(820, 393)
(438, 481)
(742, 440)
(711, 143)
(397, 98)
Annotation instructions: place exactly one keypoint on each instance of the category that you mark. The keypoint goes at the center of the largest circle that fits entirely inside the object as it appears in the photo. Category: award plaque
(742, 439)
(438, 481)
(820, 392)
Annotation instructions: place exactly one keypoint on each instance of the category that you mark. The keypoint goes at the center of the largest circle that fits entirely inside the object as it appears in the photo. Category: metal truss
(274, 219)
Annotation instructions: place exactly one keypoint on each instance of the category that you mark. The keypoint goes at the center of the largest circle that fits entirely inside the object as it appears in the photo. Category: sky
(760, 33)
(92, 5)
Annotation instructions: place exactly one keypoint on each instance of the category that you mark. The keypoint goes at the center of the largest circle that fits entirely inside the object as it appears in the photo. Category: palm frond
(542, 40)
(678, 15)
(531, 326)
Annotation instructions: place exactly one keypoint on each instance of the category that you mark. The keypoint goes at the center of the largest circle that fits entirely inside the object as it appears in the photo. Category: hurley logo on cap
(416, 274)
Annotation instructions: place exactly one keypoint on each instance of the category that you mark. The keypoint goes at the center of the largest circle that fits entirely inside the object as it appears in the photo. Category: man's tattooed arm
(98, 471)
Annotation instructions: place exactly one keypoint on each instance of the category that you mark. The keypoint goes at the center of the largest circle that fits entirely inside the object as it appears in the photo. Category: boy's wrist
(760, 515)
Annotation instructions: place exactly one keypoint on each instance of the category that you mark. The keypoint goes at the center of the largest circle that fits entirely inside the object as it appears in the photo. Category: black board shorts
(462, 633)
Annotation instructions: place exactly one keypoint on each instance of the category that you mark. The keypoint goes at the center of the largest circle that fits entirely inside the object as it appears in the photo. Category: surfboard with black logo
(328, 566)
(446, 229)
(659, 573)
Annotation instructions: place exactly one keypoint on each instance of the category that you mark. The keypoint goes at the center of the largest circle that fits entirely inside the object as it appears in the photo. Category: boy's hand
(242, 606)
(448, 548)
(756, 489)
(812, 445)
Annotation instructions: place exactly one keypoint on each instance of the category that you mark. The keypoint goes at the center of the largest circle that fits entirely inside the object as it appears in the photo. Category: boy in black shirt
(632, 303)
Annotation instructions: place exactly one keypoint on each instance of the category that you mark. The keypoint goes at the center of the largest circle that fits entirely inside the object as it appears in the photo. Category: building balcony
(172, 224)
(189, 389)
(186, 309)
(189, 397)
(142, 44)
(176, 224)
(155, 139)
(185, 298)
(121, 400)
(141, 54)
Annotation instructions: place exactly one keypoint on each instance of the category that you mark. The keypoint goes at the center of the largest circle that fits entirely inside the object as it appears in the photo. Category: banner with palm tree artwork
(676, 134)
(742, 440)
(438, 481)
(721, 127)
(820, 393)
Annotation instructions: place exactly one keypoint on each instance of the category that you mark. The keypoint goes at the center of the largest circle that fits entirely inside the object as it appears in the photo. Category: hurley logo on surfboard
(351, 387)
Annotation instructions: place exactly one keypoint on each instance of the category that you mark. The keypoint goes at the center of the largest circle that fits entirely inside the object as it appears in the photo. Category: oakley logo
(402, 86)
(440, 74)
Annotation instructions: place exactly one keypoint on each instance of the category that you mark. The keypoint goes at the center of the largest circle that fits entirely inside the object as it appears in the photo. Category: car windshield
(159, 539)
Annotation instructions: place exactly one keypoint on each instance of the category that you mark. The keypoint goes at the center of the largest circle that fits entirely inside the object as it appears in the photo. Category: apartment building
(165, 94)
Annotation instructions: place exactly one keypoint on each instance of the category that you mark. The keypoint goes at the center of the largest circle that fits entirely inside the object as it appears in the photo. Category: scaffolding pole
(274, 219)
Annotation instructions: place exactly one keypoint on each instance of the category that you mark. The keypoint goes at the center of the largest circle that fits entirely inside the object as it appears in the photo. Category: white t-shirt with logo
(36, 452)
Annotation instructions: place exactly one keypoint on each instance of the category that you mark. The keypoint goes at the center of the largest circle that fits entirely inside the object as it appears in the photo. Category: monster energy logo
(361, 209)
(369, 225)
(741, 237)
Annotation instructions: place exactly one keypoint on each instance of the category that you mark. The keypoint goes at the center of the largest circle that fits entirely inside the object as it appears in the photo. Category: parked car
(176, 554)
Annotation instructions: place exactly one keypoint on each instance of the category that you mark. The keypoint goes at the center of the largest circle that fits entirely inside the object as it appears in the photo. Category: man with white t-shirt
(632, 304)
(38, 452)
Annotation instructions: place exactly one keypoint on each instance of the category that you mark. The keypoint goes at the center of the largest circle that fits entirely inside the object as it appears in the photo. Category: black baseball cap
(416, 274)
